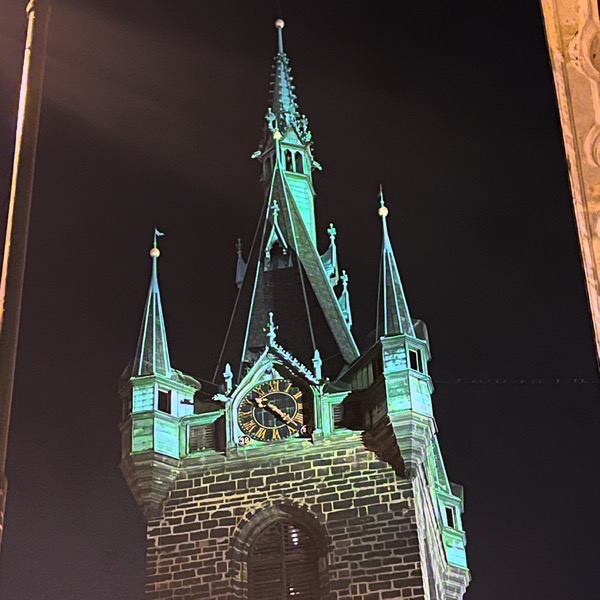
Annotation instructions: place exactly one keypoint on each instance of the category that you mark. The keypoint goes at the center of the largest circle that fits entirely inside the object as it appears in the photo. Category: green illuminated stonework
(292, 476)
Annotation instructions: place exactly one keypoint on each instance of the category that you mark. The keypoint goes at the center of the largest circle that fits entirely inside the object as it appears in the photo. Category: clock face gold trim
(272, 411)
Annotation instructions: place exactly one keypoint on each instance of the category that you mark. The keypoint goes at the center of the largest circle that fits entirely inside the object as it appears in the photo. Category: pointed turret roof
(152, 354)
(283, 111)
(393, 317)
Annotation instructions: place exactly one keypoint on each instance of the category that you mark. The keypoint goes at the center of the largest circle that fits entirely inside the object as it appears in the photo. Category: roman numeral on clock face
(249, 425)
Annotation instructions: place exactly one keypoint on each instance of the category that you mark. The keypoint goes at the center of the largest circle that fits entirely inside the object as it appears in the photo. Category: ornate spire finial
(383, 209)
(317, 364)
(271, 119)
(271, 330)
(228, 378)
(155, 252)
(332, 232)
(329, 259)
(279, 25)
(344, 299)
(275, 209)
(344, 279)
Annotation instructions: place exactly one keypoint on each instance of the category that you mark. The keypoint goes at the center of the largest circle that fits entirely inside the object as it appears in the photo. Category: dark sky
(151, 112)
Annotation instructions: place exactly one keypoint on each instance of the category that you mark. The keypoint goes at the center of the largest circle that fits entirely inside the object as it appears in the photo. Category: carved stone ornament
(584, 47)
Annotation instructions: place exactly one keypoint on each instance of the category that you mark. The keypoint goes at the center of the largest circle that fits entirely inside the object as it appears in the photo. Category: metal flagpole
(17, 227)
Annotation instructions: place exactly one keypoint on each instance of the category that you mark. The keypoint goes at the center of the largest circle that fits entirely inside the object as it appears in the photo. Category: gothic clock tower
(299, 478)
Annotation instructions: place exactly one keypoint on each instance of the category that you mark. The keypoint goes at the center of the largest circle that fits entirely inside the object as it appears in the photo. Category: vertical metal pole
(17, 228)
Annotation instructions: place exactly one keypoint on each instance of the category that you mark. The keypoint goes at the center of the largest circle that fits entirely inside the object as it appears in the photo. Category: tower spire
(152, 354)
(283, 112)
(393, 317)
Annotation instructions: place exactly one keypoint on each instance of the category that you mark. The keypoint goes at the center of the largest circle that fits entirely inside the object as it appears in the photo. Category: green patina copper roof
(152, 353)
(393, 317)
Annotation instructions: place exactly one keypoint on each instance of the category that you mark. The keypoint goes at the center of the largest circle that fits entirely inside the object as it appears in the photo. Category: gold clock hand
(285, 417)
(264, 403)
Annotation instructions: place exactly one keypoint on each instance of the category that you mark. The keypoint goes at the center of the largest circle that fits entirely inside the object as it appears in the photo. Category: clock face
(272, 411)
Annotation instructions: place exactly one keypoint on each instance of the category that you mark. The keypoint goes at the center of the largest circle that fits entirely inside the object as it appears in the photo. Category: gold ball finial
(277, 134)
(280, 24)
(383, 211)
(154, 252)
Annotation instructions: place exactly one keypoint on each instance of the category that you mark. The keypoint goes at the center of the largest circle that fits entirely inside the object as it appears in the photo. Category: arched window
(280, 551)
(283, 563)
(277, 258)
(299, 162)
(289, 163)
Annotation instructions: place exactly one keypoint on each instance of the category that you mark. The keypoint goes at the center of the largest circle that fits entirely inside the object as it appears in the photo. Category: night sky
(151, 112)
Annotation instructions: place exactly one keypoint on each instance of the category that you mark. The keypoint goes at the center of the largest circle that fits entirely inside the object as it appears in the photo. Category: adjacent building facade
(312, 470)
(573, 34)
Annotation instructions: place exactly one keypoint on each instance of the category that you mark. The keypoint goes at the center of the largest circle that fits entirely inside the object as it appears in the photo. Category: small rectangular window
(450, 517)
(416, 362)
(164, 401)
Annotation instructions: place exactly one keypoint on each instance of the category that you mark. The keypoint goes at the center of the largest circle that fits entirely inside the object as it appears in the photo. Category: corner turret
(405, 357)
(156, 397)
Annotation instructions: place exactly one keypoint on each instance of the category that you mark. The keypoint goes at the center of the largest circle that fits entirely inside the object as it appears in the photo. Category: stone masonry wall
(363, 509)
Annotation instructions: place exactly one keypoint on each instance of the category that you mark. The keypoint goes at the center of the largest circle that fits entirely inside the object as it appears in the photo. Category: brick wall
(355, 504)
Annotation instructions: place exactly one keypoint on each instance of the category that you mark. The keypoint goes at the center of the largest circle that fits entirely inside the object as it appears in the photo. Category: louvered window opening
(283, 563)
(202, 437)
(338, 414)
